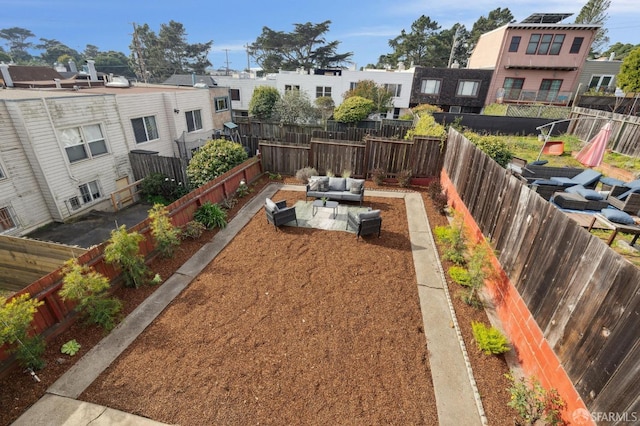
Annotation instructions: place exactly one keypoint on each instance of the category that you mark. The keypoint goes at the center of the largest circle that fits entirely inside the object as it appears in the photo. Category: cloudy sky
(363, 28)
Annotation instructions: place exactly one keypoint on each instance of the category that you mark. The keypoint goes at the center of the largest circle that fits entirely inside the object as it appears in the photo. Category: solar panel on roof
(545, 18)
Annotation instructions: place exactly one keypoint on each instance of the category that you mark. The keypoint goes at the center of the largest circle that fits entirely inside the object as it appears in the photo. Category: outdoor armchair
(618, 187)
(628, 202)
(278, 213)
(365, 223)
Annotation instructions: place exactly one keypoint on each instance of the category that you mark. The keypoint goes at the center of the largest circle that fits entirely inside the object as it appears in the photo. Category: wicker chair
(365, 223)
(278, 213)
(629, 203)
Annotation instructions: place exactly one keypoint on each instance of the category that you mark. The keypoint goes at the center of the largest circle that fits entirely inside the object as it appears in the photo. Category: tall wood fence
(625, 129)
(584, 297)
(422, 155)
(143, 164)
(55, 315)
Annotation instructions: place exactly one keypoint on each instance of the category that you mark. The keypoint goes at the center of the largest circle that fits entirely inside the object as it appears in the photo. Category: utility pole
(136, 42)
(226, 51)
(246, 46)
(453, 46)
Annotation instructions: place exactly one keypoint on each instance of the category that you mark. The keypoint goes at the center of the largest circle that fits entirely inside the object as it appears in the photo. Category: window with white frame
(290, 87)
(468, 88)
(323, 91)
(394, 89)
(194, 120)
(222, 103)
(83, 142)
(430, 86)
(145, 129)
(90, 191)
(7, 219)
(600, 82)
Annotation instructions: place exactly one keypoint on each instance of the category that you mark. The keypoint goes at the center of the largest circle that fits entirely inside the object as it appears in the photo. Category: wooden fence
(583, 296)
(625, 130)
(423, 156)
(54, 316)
(143, 164)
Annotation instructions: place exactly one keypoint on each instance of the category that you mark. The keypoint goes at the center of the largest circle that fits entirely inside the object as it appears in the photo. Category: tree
(368, 89)
(295, 108)
(113, 62)
(17, 42)
(595, 12)
(353, 109)
(54, 50)
(216, 157)
(325, 105)
(620, 50)
(262, 102)
(495, 19)
(629, 76)
(305, 48)
(90, 51)
(414, 47)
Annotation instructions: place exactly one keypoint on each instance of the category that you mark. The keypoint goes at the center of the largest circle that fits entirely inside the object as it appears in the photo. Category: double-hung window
(222, 104)
(430, 87)
(7, 220)
(145, 129)
(194, 120)
(90, 191)
(323, 91)
(83, 142)
(468, 88)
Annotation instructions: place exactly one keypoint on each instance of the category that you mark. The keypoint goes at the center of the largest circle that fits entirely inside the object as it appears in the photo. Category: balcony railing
(537, 96)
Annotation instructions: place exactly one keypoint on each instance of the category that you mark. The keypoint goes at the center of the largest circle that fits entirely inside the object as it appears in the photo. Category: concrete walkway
(457, 399)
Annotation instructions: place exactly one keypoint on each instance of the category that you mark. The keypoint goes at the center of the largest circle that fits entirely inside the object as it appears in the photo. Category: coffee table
(324, 204)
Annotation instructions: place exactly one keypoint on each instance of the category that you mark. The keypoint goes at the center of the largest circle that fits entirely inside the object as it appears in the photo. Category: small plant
(489, 339)
(89, 288)
(454, 242)
(378, 176)
(275, 176)
(324, 200)
(346, 173)
(480, 268)
(167, 235)
(330, 173)
(404, 178)
(229, 203)
(16, 316)
(123, 250)
(243, 189)
(534, 403)
(71, 347)
(438, 197)
(211, 215)
(305, 173)
(459, 275)
(193, 229)
(157, 279)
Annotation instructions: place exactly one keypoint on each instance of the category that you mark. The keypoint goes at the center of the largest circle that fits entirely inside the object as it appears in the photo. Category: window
(353, 85)
(576, 45)
(235, 94)
(145, 129)
(394, 89)
(549, 90)
(545, 44)
(515, 43)
(222, 104)
(83, 142)
(2, 174)
(194, 120)
(290, 87)
(90, 191)
(468, 88)
(430, 87)
(7, 220)
(323, 91)
(512, 87)
(597, 83)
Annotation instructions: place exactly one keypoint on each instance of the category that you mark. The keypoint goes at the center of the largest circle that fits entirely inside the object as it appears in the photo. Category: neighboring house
(64, 151)
(598, 76)
(457, 90)
(538, 60)
(46, 77)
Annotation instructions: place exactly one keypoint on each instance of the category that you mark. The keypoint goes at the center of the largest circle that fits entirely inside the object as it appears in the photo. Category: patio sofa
(336, 188)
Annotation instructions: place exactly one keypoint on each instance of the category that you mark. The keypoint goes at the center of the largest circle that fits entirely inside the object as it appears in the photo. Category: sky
(363, 28)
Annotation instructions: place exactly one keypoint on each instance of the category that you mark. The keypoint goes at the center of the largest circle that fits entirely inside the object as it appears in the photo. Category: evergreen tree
(595, 12)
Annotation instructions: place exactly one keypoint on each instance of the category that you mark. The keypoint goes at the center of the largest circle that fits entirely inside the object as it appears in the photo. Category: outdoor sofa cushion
(589, 194)
(617, 216)
(585, 178)
(271, 205)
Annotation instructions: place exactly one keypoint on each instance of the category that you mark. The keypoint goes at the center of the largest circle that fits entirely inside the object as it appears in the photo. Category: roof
(33, 73)
(28, 93)
(545, 18)
(190, 80)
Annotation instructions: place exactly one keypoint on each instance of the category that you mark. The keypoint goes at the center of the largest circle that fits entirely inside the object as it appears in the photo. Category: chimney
(57, 80)
(612, 56)
(72, 66)
(4, 69)
(93, 76)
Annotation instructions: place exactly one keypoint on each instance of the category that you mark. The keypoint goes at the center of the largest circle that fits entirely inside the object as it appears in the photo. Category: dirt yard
(291, 326)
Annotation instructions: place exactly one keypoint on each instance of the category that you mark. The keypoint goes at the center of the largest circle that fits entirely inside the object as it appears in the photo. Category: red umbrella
(591, 155)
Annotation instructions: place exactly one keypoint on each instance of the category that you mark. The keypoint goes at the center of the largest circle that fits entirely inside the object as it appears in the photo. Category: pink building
(538, 60)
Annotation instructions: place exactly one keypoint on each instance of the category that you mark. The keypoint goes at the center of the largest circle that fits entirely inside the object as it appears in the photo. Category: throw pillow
(588, 194)
(356, 186)
(324, 184)
(370, 214)
(337, 184)
(271, 205)
(314, 185)
(617, 216)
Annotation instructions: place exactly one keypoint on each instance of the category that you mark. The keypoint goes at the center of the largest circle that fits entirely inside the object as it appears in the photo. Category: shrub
(123, 250)
(353, 109)
(274, 176)
(459, 275)
(263, 101)
(304, 174)
(440, 200)
(427, 126)
(480, 268)
(426, 108)
(71, 347)
(159, 188)
(489, 339)
(16, 317)
(213, 159)
(494, 146)
(533, 402)
(89, 288)
(167, 236)
(211, 215)
(193, 229)
(243, 189)
(453, 240)
(378, 176)
(404, 178)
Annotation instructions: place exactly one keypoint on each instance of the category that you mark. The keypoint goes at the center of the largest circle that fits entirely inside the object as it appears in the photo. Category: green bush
(459, 275)
(404, 178)
(211, 215)
(494, 146)
(159, 188)
(423, 109)
(29, 352)
(193, 229)
(495, 109)
(353, 109)
(263, 102)
(16, 317)
(453, 240)
(123, 250)
(480, 268)
(427, 126)
(166, 235)
(71, 347)
(534, 403)
(489, 339)
(215, 158)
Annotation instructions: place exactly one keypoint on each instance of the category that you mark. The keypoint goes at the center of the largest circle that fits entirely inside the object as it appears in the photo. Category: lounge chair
(617, 187)
(628, 202)
(588, 178)
(278, 213)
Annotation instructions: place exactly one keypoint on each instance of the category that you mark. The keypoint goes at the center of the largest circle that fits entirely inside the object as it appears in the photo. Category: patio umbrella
(591, 155)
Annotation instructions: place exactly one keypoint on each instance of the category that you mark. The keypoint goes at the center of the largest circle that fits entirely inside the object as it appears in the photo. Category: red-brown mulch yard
(292, 326)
